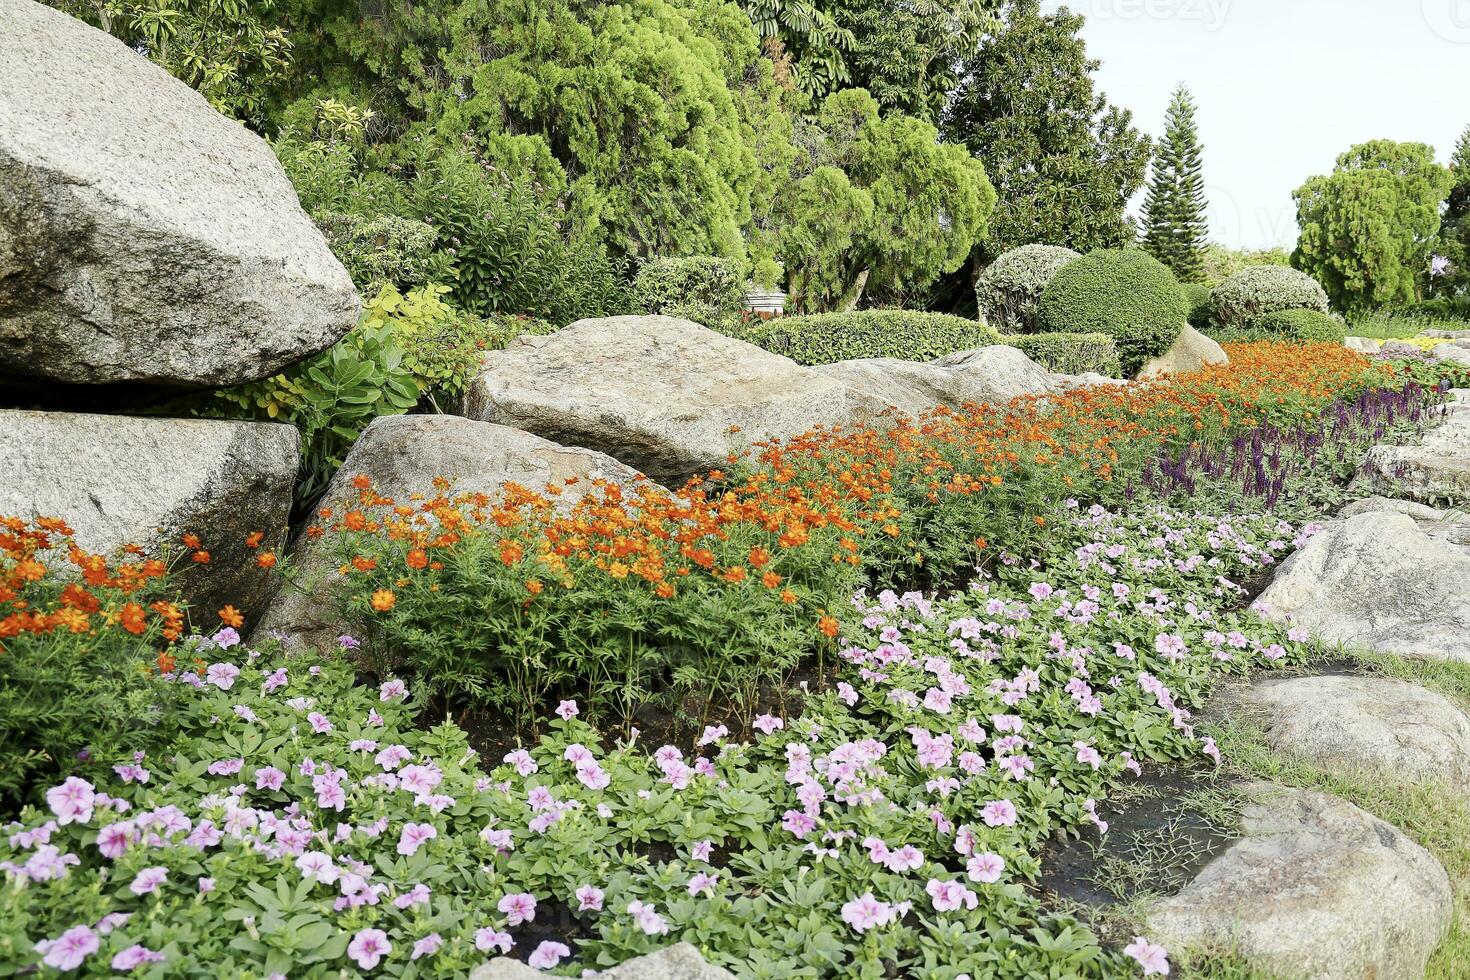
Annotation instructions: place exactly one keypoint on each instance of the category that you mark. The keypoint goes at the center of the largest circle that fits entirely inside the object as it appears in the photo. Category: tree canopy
(1174, 226)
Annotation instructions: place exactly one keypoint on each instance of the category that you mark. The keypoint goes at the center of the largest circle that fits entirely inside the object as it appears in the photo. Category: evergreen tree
(1453, 274)
(1064, 161)
(1174, 224)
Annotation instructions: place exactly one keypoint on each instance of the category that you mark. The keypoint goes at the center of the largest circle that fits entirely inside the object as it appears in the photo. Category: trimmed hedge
(905, 334)
(1125, 293)
(1070, 353)
(1259, 290)
(1008, 292)
(1303, 325)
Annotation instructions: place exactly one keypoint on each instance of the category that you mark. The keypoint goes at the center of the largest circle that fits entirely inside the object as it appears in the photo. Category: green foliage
(1125, 293)
(1065, 162)
(904, 334)
(1454, 235)
(1220, 263)
(907, 54)
(508, 250)
(1174, 226)
(1010, 288)
(386, 249)
(1201, 312)
(923, 205)
(1301, 324)
(1071, 353)
(1258, 290)
(231, 51)
(806, 33)
(1368, 228)
(707, 290)
(330, 398)
(84, 686)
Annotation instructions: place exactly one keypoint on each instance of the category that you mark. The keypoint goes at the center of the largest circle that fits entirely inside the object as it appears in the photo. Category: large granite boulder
(1436, 471)
(403, 455)
(661, 394)
(1377, 581)
(989, 375)
(680, 961)
(1316, 889)
(1376, 726)
(1190, 352)
(143, 236)
(145, 481)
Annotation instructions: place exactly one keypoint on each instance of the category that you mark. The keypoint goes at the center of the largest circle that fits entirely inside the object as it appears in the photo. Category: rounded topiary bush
(1303, 325)
(1258, 290)
(1008, 291)
(1125, 293)
(1200, 311)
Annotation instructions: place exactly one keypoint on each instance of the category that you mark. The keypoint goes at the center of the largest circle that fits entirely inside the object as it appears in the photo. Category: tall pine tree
(1453, 276)
(1174, 224)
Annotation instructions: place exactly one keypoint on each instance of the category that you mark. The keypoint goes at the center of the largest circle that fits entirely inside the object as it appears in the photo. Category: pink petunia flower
(369, 947)
(1153, 958)
(148, 880)
(589, 899)
(72, 801)
(70, 949)
(414, 836)
(518, 907)
(547, 955)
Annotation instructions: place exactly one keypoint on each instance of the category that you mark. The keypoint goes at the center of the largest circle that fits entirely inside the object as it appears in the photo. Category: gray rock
(664, 395)
(1386, 505)
(989, 375)
(1317, 889)
(1435, 472)
(146, 481)
(1448, 334)
(1091, 379)
(1452, 352)
(143, 236)
(403, 455)
(1399, 348)
(1380, 726)
(678, 962)
(1377, 581)
(1191, 352)
(1363, 345)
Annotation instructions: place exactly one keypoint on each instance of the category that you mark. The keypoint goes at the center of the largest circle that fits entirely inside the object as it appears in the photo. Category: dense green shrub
(1258, 290)
(1200, 310)
(1070, 353)
(905, 334)
(1125, 293)
(705, 289)
(386, 249)
(1008, 291)
(1303, 325)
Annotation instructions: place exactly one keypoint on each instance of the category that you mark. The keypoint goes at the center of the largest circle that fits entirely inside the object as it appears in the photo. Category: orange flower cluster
(36, 598)
(840, 497)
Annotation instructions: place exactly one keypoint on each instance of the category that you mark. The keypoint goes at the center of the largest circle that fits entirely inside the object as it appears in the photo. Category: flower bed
(296, 822)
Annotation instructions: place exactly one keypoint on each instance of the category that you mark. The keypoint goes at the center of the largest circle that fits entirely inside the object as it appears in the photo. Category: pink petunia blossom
(518, 907)
(72, 801)
(135, 956)
(222, 676)
(488, 939)
(415, 835)
(999, 813)
(986, 868)
(369, 947)
(567, 710)
(1153, 958)
(547, 955)
(427, 946)
(867, 912)
(70, 949)
(589, 899)
(148, 881)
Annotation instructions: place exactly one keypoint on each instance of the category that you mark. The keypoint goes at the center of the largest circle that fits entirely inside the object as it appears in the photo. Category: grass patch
(1387, 326)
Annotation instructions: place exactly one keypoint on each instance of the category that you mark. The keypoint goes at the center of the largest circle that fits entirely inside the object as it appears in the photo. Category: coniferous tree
(1450, 271)
(1175, 229)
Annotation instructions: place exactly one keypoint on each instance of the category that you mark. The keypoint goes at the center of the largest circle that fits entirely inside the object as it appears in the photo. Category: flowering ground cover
(282, 817)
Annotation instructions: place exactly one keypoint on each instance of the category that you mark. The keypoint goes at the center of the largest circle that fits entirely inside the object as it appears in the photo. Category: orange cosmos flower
(384, 600)
(230, 616)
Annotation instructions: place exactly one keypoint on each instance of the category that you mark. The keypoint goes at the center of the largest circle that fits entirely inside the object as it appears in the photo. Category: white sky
(1283, 87)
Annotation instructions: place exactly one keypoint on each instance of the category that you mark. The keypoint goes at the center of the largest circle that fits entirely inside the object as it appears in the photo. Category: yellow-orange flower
(383, 600)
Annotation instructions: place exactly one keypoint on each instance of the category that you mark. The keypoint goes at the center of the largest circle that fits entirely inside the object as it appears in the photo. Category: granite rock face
(663, 395)
(144, 237)
(1317, 889)
(989, 375)
(1191, 352)
(1378, 726)
(146, 481)
(1377, 581)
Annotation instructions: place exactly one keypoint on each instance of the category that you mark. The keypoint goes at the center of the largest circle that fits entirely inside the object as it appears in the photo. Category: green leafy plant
(1303, 325)
(1009, 290)
(1201, 312)
(1127, 294)
(708, 290)
(1258, 290)
(905, 334)
(385, 248)
(1070, 353)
